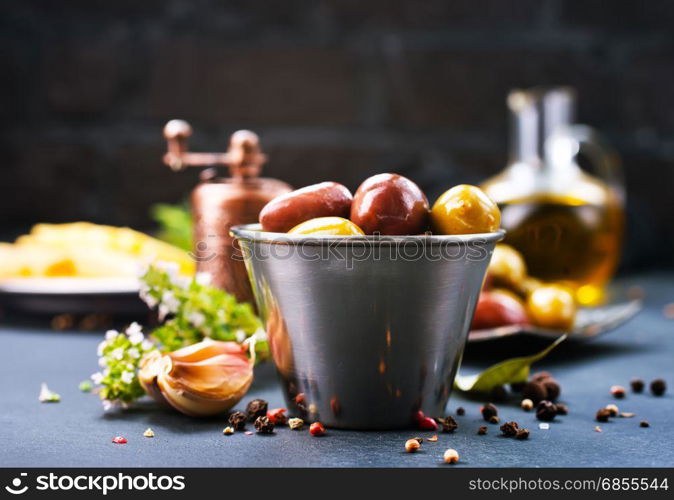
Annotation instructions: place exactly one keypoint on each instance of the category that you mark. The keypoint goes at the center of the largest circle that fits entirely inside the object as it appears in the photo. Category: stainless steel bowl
(366, 331)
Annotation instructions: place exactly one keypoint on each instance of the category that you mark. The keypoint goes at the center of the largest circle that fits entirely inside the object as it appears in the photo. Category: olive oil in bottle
(567, 224)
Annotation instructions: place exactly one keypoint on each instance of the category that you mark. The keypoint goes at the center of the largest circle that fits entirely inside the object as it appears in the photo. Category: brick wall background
(337, 89)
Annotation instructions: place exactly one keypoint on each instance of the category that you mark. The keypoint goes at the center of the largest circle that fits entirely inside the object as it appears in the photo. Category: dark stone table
(76, 432)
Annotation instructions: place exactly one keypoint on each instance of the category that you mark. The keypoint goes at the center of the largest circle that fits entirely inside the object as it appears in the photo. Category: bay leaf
(510, 371)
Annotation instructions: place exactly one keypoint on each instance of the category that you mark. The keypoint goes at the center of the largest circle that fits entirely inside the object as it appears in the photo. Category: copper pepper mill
(218, 203)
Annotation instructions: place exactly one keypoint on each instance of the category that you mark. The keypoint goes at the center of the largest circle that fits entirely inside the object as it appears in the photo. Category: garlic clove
(202, 379)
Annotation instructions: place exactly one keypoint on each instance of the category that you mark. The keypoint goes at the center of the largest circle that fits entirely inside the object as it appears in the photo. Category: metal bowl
(366, 331)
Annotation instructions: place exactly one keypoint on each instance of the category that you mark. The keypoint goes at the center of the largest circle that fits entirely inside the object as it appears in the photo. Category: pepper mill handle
(244, 157)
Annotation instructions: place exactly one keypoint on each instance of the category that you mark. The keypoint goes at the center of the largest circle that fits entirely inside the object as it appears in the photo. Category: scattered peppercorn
(238, 420)
(618, 391)
(296, 423)
(119, 440)
(264, 425)
(228, 431)
(149, 433)
(527, 404)
(552, 389)
(448, 424)
(460, 411)
(256, 408)
(488, 411)
(509, 429)
(626, 414)
(493, 419)
(317, 429)
(432, 439)
(427, 424)
(482, 430)
(613, 410)
(562, 409)
(658, 387)
(522, 434)
(603, 415)
(597, 429)
(637, 385)
(412, 445)
(644, 423)
(278, 416)
(546, 411)
(534, 391)
(450, 456)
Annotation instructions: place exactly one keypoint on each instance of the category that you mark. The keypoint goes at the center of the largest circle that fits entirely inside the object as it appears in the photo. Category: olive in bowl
(390, 204)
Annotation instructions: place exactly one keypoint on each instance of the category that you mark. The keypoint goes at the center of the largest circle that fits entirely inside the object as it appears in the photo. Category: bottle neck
(535, 115)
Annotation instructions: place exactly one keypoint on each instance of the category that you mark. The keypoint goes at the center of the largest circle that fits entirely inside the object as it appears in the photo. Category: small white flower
(117, 353)
(197, 319)
(106, 372)
(162, 312)
(240, 336)
(97, 377)
(133, 353)
(146, 345)
(101, 347)
(148, 299)
(107, 405)
(182, 281)
(260, 335)
(111, 334)
(103, 362)
(129, 366)
(169, 300)
(203, 278)
(134, 329)
(127, 377)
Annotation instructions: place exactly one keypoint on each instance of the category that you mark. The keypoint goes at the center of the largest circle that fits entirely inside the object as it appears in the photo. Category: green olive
(332, 226)
(552, 306)
(507, 268)
(465, 209)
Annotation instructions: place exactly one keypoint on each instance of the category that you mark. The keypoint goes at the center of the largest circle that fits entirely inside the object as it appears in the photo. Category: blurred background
(337, 89)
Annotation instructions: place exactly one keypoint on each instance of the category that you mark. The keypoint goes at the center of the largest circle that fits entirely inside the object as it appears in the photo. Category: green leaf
(175, 224)
(510, 371)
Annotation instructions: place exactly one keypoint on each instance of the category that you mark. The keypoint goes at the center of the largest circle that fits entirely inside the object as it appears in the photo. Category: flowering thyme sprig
(191, 310)
(119, 357)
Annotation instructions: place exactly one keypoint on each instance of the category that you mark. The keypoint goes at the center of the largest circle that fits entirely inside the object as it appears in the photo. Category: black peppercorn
(264, 425)
(546, 411)
(488, 411)
(658, 387)
(522, 434)
(460, 411)
(509, 429)
(534, 391)
(644, 423)
(618, 391)
(256, 408)
(562, 409)
(637, 385)
(493, 419)
(603, 415)
(482, 430)
(552, 389)
(448, 424)
(238, 420)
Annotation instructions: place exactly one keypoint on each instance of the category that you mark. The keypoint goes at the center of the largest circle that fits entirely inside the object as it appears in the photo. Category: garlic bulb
(199, 380)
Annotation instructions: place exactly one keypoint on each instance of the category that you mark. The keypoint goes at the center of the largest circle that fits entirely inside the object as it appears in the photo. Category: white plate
(69, 286)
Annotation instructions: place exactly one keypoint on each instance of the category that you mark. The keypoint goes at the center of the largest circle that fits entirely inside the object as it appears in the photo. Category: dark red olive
(390, 204)
(327, 199)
